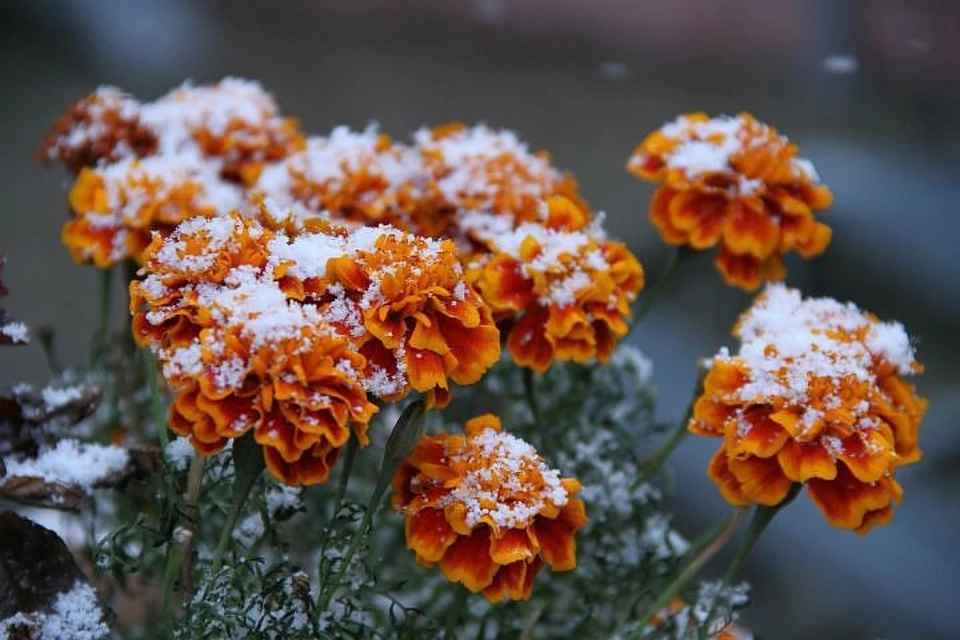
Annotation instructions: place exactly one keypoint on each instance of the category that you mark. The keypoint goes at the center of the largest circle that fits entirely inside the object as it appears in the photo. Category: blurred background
(868, 89)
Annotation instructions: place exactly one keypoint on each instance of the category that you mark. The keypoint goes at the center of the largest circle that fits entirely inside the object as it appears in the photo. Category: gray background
(884, 138)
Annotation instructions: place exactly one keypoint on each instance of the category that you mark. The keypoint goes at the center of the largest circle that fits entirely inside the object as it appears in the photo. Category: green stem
(159, 412)
(174, 559)
(46, 337)
(248, 464)
(180, 545)
(719, 536)
(348, 458)
(529, 390)
(762, 517)
(402, 439)
(455, 613)
(326, 593)
(650, 468)
(100, 344)
(232, 516)
(707, 538)
(191, 514)
(677, 258)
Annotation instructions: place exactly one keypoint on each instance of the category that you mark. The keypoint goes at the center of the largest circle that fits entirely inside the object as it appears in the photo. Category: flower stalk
(349, 456)
(677, 258)
(248, 464)
(156, 399)
(180, 547)
(99, 350)
(717, 538)
(401, 441)
(762, 517)
(680, 432)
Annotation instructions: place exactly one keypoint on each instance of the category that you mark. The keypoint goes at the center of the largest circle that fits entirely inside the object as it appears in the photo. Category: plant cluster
(439, 320)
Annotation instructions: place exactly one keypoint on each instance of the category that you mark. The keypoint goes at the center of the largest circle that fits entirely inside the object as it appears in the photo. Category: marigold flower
(233, 122)
(243, 354)
(103, 127)
(737, 182)
(404, 301)
(478, 169)
(487, 510)
(560, 295)
(815, 395)
(117, 207)
(358, 177)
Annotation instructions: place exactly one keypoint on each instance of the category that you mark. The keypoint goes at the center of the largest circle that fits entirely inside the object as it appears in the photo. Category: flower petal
(429, 535)
(802, 461)
(468, 561)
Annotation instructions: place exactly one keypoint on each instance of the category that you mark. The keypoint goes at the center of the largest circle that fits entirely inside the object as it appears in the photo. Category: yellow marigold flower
(117, 207)
(487, 510)
(404, 301)
(737, 182)
(357, 177)
(814, 395)
(243, 354)
(103, 127)
(560, 295)
(478, 169)
(233, 122)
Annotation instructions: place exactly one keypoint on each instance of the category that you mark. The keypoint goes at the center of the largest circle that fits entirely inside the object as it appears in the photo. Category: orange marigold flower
(737, 182)
(358, 177)
(117, 207)
(243, 354)
(476, 168)
(233, 122)
(404, 301)
(103, 127)
(560, 295)
(814, 395)
(487, 510)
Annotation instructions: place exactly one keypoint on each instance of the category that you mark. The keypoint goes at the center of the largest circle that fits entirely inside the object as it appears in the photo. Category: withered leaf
(35, 566)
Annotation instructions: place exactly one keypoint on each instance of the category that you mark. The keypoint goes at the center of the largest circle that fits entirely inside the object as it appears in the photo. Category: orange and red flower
(117, 207)
(815, 395)
(405, 301)
(478, 169)
(486, 510)
(560, 294)
(103, 127)
(360, 177)
(736, 182)
(234, 123)
(242, 354)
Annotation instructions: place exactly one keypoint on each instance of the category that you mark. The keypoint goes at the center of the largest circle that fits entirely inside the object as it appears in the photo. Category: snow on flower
(487, 510)
(104, 127)
(118, 207)
(560, 294)
(244, 355)
(814, 395)
(736, 182)
(235, 123)
(361, 177)
(479, 169)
